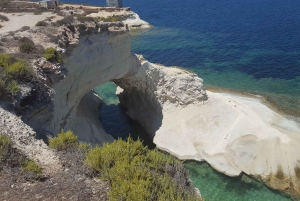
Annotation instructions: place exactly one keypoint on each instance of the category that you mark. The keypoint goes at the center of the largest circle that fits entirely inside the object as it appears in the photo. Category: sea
(250, 46)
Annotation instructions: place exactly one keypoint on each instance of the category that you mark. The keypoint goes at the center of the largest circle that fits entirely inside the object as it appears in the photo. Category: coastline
(256, 95)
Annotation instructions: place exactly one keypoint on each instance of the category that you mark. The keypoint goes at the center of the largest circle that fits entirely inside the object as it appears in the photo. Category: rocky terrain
(234, 134)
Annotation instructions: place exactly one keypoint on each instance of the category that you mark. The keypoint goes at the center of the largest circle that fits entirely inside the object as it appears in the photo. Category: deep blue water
(250, 45)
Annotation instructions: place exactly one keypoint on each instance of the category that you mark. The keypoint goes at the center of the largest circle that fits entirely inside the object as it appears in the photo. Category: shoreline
(262, 96)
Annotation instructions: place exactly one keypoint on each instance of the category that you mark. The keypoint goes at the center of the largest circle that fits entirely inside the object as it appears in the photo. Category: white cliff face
(232, 133)
(154, 88)
(96, 60)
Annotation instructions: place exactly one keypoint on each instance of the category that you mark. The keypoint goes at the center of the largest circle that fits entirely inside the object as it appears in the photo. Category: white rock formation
(134, 22)
(96, 60)
(232, 133)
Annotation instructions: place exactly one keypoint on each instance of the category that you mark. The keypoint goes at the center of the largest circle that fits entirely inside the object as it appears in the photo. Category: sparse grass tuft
(63, 141)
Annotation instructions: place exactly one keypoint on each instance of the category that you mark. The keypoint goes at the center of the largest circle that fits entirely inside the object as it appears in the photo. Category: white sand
(19, 20)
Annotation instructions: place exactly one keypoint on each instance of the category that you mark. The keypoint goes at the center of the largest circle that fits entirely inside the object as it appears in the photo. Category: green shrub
(4, 144)
(52, 55)
(26, 45)
(41, 23)
(63, 141)
(30, 168)
(13, 87)
(4, 60)
(136, 173)
(17, 69)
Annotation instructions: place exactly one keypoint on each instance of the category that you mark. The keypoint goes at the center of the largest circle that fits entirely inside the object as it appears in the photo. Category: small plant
(41, 23)
(4, 60)
(30, 168)
(3, 18)
(63, 141)
(4, 145)
(13, 87)
(17, 69)
(26, 45)
(52, 55)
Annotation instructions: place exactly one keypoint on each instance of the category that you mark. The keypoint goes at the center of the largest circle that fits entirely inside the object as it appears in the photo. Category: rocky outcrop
(154, 88)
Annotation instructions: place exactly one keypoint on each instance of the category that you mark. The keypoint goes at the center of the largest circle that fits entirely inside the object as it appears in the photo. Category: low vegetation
(11, 160)
(12, 71)
(26, 45)
(132, 171)
(111, 19)
(41, 23)
(51, 55)
(64, 140)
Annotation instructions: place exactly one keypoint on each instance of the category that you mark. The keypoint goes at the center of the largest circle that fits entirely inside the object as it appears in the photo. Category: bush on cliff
(52, 55)
(63, 141)
(136, 173)
(26, 45)
(12, 72)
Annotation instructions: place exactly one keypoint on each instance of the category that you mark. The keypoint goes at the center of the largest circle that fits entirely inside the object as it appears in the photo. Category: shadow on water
(119, 125)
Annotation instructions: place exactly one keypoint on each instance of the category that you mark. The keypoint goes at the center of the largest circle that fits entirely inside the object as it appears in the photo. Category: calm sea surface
(251, 45)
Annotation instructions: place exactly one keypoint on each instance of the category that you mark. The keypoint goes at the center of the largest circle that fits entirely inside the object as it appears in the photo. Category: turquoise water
(251, 45)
